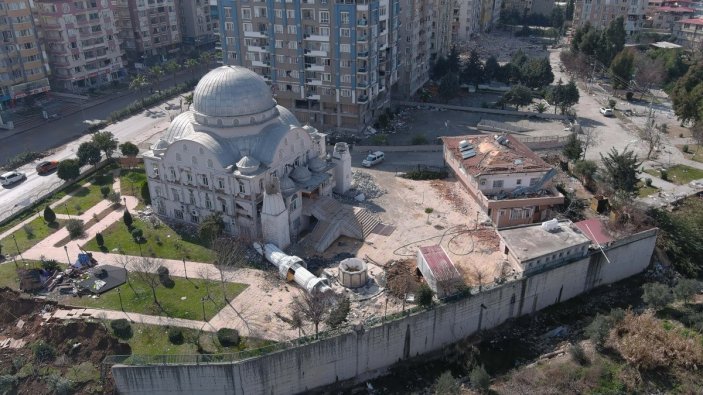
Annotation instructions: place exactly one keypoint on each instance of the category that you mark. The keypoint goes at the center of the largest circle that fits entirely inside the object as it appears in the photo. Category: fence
(482, 110)
(543, 142)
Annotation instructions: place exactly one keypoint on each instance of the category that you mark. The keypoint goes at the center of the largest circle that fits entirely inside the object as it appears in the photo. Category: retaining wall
(369, 352)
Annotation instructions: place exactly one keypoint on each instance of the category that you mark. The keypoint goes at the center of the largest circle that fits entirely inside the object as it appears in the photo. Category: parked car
(373, 158)
(11, 177)
(47, 166)
(608, 112)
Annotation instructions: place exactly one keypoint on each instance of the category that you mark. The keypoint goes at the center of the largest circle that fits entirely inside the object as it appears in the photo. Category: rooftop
(492, 157)
(675, 9)
(692, 21)
(595, 231)
(533, 241)
(439, 263)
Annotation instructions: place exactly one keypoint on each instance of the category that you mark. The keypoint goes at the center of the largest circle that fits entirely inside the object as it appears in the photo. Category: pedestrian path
(99, 314)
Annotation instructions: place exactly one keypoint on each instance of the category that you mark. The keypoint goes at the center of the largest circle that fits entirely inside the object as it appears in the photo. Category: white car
(608, 112)
(11, 177)
(373, 158)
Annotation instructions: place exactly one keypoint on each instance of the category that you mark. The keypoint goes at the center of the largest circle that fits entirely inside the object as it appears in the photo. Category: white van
(373, 158)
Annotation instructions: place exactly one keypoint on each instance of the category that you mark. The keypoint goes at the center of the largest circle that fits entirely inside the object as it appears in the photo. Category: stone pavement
(72, 314)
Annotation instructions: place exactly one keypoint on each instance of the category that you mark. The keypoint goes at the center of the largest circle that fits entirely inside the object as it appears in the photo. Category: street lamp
(202, 301)
(184, 268)
(18, 247)
(67, 213)
(65, 248)
(119, 294)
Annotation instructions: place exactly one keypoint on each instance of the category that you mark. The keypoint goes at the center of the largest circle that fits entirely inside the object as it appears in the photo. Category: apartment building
(490, 14)
(149, 29)
(466, 19)
(23, 66)
(601, 12)
(689, 33)
(415, 47)
(81, 42)
(510, 182)
(331, 63)
(442, 15)
(663, 14)
(543, 7)
(197, 24)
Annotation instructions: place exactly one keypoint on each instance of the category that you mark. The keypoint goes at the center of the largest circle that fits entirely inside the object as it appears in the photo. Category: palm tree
(171, 68)
(192, 64)
(155, 73)
(206, 59)
(138, 83)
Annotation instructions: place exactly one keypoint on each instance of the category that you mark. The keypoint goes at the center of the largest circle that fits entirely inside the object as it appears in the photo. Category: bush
(43, 351)
(648, 182)
(21, 159)
(127, 218)
(598, 330)
(424, 297)
(612, 103)
(175, 335)
(137, 234)
(339, 313)
(420, 175)
(121, 328)
(480, 378)
(419, 139)
(685, 148)
(446, 384)
(228, 337)
(146, 195)
(28, 230)
(579, 355)
(105, 191)
(114, 198)
(379, 139)
(59, 385)
(686, 288)
(657, 295)
(7, 383)
(629, 96)
(75, 227)
(664, 174)
(99, 239)
(50, 265)
(49, 215)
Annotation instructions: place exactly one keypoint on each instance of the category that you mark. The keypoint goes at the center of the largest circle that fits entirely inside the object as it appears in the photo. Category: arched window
(195, 160)
(209, 163)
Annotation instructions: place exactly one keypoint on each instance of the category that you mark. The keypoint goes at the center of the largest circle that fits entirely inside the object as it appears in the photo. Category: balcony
(316, 53)
(261, 63)
(314, 67)
(311, 81)
(316, 37)
(362, 84)
(362, 38)
(260, 34)
(364, 54)
(256, 48)
(362, 99)
(313, 96)
(362, 22)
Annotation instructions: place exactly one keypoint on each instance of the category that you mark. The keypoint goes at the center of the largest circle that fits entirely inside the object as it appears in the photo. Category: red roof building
(438, 270)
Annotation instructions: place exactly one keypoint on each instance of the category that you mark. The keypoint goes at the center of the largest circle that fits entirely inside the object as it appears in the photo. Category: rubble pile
(364, 183)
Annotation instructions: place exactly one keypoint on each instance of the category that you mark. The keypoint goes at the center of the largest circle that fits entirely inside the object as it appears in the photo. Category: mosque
(237, 152)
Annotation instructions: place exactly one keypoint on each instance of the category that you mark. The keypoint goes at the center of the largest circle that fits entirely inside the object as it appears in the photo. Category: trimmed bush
(105, 191)
(75, 227)
(228, 337)
(146, 195)
(175, 335)
(648, 182)
(99, 239)
(121, 328)
(664, 175)
(685, 148)
(127, 218)
(137, 234)
(43, 351)
(49, 215)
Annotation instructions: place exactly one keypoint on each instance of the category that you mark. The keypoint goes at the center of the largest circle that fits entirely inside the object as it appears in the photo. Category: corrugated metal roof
(439, 263)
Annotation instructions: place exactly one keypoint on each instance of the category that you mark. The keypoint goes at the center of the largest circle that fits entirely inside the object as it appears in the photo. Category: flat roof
(595, 230)
(666, 45)
(494, 158)
(439, 263)
(532, 241)
(692, 21)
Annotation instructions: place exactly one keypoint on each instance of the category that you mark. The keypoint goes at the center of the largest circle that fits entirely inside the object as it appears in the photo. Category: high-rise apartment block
(415, 47)
(149, 29)
(197, 24)
(23, 67)
(466, 19)
(81, 42)
(331, 62)
(442, 13)
(599, 13)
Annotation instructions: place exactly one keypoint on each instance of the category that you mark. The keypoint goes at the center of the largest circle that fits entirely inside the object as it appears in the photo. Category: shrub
(664, 174)
(419, 139)
(114, 198)
(127, 218)
(175, 335)
(228, 337)
(424, 297)
(579, 355)
(429, 210)
(49, 215)
(612, 103)
(648, 182)
(446, 384)
(75, 227)
(105, 191)
(629, 96)
(685, 148)
(379, 139)
(59, 385)
(686, 288)
(164, 278)
(419, 175)
(480, 378)
(7, 383)
(339, 313)
(598, 330)
(146, 195)
(43, 351)
(21, 159)
(50, 265)
(657, 295)
(121, 328)
(137, 234)
(99, 239)
(28, 230)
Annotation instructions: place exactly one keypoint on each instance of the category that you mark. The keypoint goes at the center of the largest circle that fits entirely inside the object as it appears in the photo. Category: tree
(446, 384)
(146, 195)
(211, 227)
(569, 10)
(621, 69)
(127, 218)
(339, 313)
(586, 170)
(88, 152)
(491, 69)
(137, 235)
(649, 73)
(105, 191)
(686, 288)
(192, 65)
(537, 73)
(425, 294)
(621, 170)
(573, 149)
(687, 95)
(68, 169)
(453, 61)
(598, 329)
(480, 378)
(171, 68)
(99, 239)
(129, 149)
(205, 59)
(312, 307)
(49, 215)
(138, 83)
(473, 70)
(518, 95)
(440, 68)
(106, 142)
(156, 73)
(145, 268)
(557, 17)
(615, 35)
(657, 295)
(652, 137)
(449, 86)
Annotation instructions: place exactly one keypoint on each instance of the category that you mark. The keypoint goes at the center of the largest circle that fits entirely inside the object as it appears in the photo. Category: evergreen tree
(569, 10)
(440, 68)
(491, 69)
(573, 148)
(127, 218)
(687, 95)
(621, 170)
(557, 18)
(106, 142)
(453, 61)
(621, 69)
(449, 86)
(518, 95)
(473, 70)
(49, 215)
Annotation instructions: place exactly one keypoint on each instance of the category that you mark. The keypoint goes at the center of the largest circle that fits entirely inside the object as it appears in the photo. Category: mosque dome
(232, 91)
(248, 165)
(317, 165)
(287, 185)
(300, 174)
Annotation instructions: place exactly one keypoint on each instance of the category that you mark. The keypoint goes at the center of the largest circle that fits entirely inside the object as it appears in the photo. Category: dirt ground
(451, 224)
(79, 346)
(503, 45)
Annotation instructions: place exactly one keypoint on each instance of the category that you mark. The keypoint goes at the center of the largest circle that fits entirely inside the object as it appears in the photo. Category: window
(221, 183)
(229, 26)
(173, 174)
(346, 78)
(498, 184)
(293, 44)
(344, 16)
(208, 202)
(534, 181)
(246, 27)
(279, 43)
(191, 196)
(194, 160)
(241, 188)
(194, 219)
(246, 13)
(290, 14)
(344, 48)
(344, 32)
(279, 13)
(178, 214)
(345, 63)
(345, 93)
(155, 171)
(223, 205)
(324, 17)
(203, 179)
(291, 29)
(278, 29)
(176, 196)
(324, 31)
(293, 203)
(189, 177)
(519, 181)
(209, 163)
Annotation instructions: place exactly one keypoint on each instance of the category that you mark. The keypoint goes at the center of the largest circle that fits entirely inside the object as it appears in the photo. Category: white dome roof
(317, 165)
(248, 165)
(232, 91)
(287, 185)
(300, 174)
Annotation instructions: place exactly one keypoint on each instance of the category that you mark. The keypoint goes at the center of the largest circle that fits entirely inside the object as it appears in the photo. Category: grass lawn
(131, 181)
(84, 198)
(181, 301)
(27, 240)
(161, 242)
(643, 190)
(153, 340)
(694, 152)
(8, 275)
(679, 174)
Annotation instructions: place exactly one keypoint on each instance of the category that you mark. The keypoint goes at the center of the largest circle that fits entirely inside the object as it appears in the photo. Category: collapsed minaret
(274, 218)
(341, 157)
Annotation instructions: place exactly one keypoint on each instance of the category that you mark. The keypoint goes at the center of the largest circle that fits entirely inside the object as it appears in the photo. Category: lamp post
(65, 248)
(184, 268)
(119, 294)
(67, 213)
(202, 301)
(18, 247)
(15, 262)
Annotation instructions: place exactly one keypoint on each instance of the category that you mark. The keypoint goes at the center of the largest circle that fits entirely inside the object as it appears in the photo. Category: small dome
(287, 185)
(300, 174)
(232, 91)
(248, 165)
(317, 165)
(160, 145)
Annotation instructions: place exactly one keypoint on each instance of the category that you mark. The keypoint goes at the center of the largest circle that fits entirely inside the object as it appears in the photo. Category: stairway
(336, 219)
(367, 220)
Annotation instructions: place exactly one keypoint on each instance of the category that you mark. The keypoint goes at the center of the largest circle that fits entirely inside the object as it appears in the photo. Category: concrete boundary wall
(371, 351)
(543, 115)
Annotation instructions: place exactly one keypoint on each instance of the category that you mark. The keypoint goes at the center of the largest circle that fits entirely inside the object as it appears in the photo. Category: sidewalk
(66, 314)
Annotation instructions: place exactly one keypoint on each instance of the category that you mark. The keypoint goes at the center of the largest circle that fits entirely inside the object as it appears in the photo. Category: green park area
(692, 152)
(85, 197)
(184, 298)
(677, 174)
(159, 241)
(644, 190)
(29, 235)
